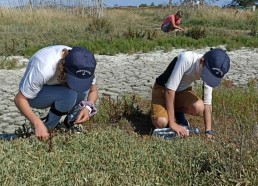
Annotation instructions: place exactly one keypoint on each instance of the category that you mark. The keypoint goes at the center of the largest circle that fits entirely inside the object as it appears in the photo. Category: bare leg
(160, 122)
(196, 109)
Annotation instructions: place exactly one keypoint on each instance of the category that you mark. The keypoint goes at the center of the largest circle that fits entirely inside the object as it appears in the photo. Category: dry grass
(122, 17)
(25, 31)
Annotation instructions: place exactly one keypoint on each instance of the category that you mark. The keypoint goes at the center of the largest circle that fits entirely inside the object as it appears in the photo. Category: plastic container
(193, 130)
(168, 133)
(165, 133)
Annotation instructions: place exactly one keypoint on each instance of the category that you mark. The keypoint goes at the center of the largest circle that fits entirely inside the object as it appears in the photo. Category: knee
(198, 108)
(67, 101)
(160, 122)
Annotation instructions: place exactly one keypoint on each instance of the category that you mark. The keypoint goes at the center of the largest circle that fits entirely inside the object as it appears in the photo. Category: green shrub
(100, 25)
(196, 33)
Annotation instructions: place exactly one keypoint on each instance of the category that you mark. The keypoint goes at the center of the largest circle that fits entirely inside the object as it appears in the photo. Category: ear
(64, 53)
(202, 61)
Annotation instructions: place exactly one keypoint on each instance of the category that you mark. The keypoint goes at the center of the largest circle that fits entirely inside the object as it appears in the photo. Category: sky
(156, 2)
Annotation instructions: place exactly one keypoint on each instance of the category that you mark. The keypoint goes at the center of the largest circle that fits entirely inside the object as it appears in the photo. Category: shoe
(60, 126)
(67, 124)
(77, 128)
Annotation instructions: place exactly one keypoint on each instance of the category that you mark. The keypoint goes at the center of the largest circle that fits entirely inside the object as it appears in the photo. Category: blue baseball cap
(216, 65)
(80, 65)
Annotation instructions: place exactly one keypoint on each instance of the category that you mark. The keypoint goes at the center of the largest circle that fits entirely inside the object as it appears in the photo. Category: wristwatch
(209, 132)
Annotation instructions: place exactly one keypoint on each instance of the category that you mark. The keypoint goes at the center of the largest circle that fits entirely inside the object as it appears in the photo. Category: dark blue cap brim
(209, 78)
(78, 84)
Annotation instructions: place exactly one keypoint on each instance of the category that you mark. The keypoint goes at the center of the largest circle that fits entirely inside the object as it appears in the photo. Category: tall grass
(25, 31)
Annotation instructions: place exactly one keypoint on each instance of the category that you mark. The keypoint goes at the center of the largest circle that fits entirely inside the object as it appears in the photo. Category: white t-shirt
(41, 70)
(185, 72)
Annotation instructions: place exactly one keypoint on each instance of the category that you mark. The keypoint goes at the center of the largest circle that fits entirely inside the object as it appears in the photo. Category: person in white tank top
(172, 94)
(60, 78)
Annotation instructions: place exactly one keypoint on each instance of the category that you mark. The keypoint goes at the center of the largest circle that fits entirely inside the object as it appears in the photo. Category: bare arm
(207, 118)
(170, 97)
(93, 94)
(85, 112)
(175, 25)
(207, 98)
(22, 104)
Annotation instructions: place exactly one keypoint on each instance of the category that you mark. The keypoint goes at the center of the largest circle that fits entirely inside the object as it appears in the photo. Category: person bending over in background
(60, 78)
(172, 95)
(172, 22)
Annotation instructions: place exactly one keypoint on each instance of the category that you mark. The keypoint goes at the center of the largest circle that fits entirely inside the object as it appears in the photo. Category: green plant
(133, 33)
(112, 111)
(254, 25)
(100, 25)
(109, 153)
(196, 33)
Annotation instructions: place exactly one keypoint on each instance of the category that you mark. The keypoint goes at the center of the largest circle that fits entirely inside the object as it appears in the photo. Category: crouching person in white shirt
(172, 94)
(60, 78)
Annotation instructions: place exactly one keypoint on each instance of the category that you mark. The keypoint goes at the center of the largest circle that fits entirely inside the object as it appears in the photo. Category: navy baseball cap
(80, 65)
(216, 65)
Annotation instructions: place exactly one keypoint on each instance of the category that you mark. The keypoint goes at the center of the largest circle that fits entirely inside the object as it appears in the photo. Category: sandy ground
(122, 74)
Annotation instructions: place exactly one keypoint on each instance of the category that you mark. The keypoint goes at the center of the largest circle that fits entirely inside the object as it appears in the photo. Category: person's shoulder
(50, 50)
(58, 47)
(171, 15)
(54, 47)
(187, 54)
